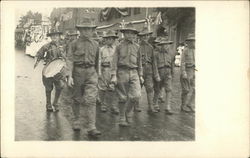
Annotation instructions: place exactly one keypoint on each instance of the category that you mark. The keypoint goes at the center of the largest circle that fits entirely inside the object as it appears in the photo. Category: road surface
(32, 122)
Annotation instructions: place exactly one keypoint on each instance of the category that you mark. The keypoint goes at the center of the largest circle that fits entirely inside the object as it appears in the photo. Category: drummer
(49, 52)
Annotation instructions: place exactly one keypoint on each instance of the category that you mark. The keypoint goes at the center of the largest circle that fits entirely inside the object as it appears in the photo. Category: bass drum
(54, 67)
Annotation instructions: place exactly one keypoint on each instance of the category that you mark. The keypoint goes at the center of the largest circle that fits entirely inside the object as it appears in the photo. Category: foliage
(37, 17)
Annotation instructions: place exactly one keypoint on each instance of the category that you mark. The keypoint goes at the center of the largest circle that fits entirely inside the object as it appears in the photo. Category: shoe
(185, 109)
(103, 108)
(49, 108)
(168, 112)
(191, 109)
(114, 111)
(94, 133)
(161, 100)
(123, 124)
(56, 107)
(157, 108)
(152, 110)
(137, 109)
(76, 126)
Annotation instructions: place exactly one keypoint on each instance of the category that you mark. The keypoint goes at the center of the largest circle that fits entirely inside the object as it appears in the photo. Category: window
(137, 11)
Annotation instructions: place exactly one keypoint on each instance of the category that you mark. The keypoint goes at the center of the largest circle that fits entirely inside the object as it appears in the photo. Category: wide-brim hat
(72, 33)
(190, 37)
(86, 23)
(54, 32)
(157, 40)
(145, 31)
(129, 27)
(95, 36)
(165, 41)
(110, 34)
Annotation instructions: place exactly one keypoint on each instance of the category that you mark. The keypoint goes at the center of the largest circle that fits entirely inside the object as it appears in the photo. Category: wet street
(32, 122)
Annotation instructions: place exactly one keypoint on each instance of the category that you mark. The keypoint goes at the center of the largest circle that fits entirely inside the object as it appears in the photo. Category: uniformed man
(149, 68)
(49, 52)
(71, 36)
(98, 39)
(188, 75)
(127, 73)
(82, 60)
(106, 88)
(165, 63)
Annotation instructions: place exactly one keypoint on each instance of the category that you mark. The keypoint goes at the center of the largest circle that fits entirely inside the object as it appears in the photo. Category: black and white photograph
(105, 74)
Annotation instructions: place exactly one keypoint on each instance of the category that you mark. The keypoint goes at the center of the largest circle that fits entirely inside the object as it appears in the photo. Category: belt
(106, 64)
(165, 66)
(127, 68)
(190, 66)
(83, 65)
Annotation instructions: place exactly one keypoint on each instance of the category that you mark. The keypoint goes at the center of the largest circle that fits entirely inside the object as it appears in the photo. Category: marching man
(127, 74)
(106, 57)
(50, 52)
(149, 68)
(165, 65)
(188, 75)
(82, 61)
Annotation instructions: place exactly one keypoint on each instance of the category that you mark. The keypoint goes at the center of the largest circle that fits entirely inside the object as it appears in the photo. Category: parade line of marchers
(120, 67)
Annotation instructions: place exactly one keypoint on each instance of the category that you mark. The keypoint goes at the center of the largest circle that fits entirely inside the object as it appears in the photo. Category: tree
(37, 17)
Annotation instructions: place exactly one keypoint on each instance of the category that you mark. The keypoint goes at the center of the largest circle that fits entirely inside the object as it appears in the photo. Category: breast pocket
(79, 50)
(133, 57)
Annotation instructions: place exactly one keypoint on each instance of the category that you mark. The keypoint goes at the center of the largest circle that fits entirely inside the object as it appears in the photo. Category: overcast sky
(22, 11)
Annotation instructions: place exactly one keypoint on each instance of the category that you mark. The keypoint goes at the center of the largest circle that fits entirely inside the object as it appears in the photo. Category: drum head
(53, 68)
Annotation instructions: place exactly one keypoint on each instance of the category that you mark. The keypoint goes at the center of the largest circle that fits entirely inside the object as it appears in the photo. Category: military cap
(164, 41)
(145, 31)
(110, 33)
(86, 23)
(190, 37)
(54, 31)
(129, 27)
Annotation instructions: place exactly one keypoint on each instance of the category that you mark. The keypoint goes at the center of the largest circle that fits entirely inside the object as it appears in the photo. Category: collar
(84, 38)
(144, 42)
(128, 41)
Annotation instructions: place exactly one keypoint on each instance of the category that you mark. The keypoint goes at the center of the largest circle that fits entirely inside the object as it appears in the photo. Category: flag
(158, 19)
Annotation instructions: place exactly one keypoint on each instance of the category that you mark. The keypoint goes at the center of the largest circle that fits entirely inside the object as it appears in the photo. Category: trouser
(105, 92)
(128, 91)
(166, 83)
(188, 88)
(84, 93)
(149, 86)
(49, 83)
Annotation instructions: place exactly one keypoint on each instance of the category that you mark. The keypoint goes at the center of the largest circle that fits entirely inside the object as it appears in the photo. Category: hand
(158, 79)
(70, 82)
(141, 80)
(184, 75)
(113, 80)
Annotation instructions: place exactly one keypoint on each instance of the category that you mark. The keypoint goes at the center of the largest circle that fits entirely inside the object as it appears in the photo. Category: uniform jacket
(163, 59)
(127, 55)
(187, 59)
(148, 57)
(83, 51)
(51, 51)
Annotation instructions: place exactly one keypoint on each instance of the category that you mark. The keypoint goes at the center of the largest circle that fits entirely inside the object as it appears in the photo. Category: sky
(22, 11)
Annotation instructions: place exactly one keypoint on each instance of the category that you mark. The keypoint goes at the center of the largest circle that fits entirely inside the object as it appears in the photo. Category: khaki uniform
(127, 67)
(149, 70)
(164, 64)
(82, 60)
(50, 52)
(106, 57)
(188, 85)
